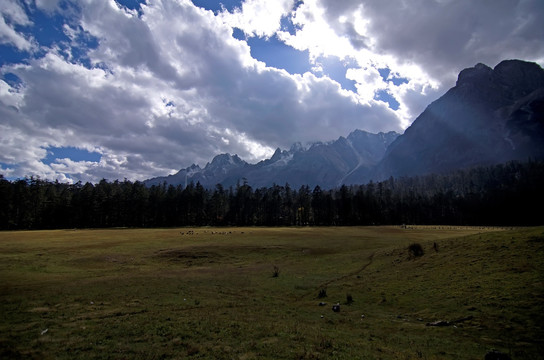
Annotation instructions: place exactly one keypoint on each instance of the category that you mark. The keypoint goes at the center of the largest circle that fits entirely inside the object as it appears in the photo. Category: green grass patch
(211, 293)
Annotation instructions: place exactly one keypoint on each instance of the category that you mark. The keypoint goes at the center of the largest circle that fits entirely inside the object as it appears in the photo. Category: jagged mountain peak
(323, 164)
(512, 78)
(478, 73)
(490, 116)
(296, 147)
(225, 160)
(472, 123)
(518, 78)
(280, 155)
(361, 134)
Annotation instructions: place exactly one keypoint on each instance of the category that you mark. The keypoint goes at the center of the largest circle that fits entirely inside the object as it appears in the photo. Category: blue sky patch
(12, 79)
(275, 53)
(399, 80)
(384, 95)
(385, 74)
(287, 25)
(297, 4)
(131, 4)
(216, 6)
(47, 29)
(7, 166)
(238, 33)
(336, 69)
(9, 55)
(72, 153)
(79, 52)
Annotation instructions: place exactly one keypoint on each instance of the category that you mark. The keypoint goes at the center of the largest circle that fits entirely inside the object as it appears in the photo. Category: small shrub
(416, 250)
(276, 272)
(322, 294)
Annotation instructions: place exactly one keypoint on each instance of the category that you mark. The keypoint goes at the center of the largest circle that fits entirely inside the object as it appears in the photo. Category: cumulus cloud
(443, 37)
(48, 6)
(12, 14)
(426, 42)
(160, 88)
(258, 17)
(161, 94)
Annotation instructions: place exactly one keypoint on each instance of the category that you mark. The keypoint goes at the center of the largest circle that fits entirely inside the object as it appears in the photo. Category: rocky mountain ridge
(490, 116)
(325, 164)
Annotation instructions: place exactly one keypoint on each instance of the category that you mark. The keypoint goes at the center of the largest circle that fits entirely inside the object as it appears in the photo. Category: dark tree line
(508, 194)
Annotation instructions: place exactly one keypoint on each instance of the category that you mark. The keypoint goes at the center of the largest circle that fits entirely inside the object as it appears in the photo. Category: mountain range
(490, 116)
(325, 164)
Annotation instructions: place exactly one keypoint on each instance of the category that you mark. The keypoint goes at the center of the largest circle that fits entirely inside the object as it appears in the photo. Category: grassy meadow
(212, 293)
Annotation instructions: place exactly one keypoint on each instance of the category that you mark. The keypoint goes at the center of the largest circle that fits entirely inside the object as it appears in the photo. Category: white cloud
(48, 6)
(146, 112)
(10, 97)
(342, 31)
(315, 34)
(426, 42)
(258, 17)
(12, 14)
(443, 37)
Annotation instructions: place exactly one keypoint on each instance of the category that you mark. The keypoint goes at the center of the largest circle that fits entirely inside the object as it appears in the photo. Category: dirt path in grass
(353, 273)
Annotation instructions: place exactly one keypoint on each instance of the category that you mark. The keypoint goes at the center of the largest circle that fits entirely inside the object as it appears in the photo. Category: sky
(104, 89)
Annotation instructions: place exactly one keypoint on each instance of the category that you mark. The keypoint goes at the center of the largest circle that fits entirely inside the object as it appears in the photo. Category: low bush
(416, 250)
(276, 272)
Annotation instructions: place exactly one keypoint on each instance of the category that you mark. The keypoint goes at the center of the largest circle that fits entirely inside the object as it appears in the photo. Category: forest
(506, 195)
